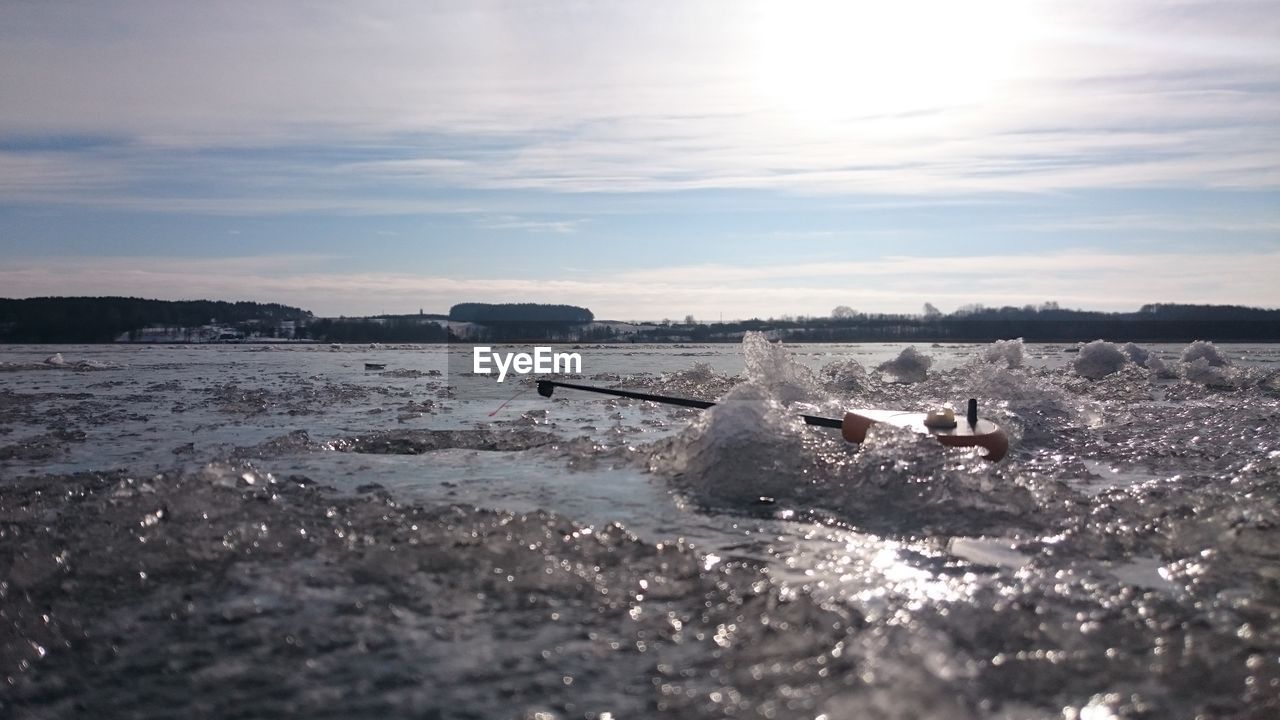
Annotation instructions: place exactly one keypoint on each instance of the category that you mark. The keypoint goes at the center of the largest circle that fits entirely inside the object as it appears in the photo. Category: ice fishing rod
(941, 424)
(546, 387)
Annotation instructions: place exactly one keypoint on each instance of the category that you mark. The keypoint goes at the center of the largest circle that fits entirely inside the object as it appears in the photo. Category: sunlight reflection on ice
(869, 572)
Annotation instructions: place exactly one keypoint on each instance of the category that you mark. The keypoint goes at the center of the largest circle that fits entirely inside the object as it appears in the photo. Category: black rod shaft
(684, 402)
(545, 388)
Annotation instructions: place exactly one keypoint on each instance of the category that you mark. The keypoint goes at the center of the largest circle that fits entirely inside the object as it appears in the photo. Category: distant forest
(526, 321)
(103, 319)
(383, 329)
(106, 319)
(519, 312)
(1161, 322)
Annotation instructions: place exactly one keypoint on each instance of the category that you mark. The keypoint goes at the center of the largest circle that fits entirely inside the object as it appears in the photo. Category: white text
(541, 361)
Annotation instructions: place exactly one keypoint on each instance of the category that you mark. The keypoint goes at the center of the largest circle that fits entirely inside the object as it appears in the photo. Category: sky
(647, 159)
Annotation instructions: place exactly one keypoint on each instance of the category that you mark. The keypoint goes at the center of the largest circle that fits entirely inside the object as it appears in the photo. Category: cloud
(512, 222)
(406, 97)
(1089, 278)
(1167, 223)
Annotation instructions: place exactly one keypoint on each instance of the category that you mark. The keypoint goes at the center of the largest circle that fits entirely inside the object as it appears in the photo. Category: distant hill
(103, 319)
(519, 313)
(512, 322)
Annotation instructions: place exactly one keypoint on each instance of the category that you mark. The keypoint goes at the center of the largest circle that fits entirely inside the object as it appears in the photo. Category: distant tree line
(103, 319)
(407, 329)
(975, 323)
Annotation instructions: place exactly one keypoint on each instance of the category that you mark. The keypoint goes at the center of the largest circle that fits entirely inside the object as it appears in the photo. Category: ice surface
(216, 532)
(246, 594)
(417, 442)
(57, 362)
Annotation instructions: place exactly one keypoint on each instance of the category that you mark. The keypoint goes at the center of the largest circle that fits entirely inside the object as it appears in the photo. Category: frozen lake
(241, 530)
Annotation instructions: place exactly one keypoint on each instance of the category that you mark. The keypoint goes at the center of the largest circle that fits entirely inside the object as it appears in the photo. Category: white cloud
(1173, 222)
(988, 96)
(512, 222)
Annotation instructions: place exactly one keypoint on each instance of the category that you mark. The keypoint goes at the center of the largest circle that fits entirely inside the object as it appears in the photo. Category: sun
(827, 61)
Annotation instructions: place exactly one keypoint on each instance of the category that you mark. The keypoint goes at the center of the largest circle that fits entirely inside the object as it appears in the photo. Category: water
(244, 531)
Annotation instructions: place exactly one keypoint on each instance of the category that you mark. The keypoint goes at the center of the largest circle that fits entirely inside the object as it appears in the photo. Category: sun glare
(826, 61)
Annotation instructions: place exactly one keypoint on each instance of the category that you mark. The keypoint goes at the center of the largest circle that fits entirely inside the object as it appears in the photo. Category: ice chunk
(1008, 352)
(701, 380)
(1203, 349)
(847, 376)
(769, 365)
(1203, 371)
(909, 367)
(1137, 354)
(1099, 359)
(1159, 368)
(744, 447)
(700, 372)
(1271, 383)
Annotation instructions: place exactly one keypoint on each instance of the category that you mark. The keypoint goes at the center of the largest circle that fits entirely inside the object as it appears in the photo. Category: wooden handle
(984, 434)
